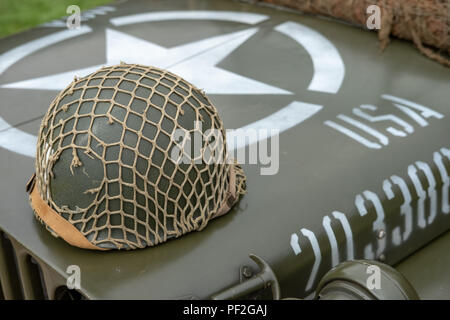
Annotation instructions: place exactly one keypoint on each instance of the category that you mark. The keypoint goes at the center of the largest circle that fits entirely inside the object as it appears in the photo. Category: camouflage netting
(104, 158)
(425, 22)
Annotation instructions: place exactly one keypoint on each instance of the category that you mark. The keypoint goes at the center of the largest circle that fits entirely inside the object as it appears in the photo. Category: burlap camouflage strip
(425, 22)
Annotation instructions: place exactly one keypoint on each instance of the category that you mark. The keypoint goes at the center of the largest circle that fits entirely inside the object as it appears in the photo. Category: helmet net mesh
(122, 118)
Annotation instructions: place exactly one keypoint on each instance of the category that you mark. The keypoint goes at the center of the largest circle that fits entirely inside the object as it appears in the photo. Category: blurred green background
(20, 15)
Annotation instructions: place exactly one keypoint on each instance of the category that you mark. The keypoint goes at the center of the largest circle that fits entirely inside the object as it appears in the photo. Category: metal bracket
(264, 279)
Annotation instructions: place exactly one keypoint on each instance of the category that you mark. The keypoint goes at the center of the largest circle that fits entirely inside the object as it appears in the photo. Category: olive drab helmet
(106, 177)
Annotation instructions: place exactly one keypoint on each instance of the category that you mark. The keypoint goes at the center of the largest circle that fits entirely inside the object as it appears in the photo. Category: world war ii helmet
(106, 175)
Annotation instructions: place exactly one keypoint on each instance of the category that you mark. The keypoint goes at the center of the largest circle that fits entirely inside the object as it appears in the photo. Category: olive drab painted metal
(349, 281)
(265, 278)
(364, 175)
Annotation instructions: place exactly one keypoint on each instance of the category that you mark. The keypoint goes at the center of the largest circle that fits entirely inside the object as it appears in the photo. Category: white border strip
(282, 120)
(14, 139)
(242, 17)
(12, 56)
(329, 69)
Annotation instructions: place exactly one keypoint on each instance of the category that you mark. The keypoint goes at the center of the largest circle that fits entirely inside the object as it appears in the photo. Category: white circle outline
(329, 70)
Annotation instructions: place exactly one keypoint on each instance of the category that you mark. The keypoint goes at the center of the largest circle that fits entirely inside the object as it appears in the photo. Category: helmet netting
(145, 197)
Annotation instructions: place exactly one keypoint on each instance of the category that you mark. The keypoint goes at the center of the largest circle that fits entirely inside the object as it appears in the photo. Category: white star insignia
(195, 61)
